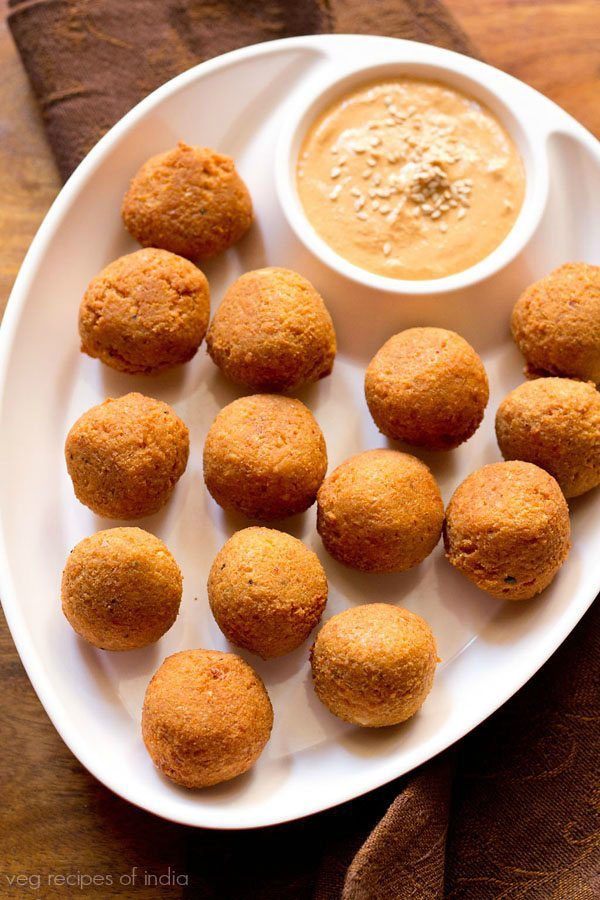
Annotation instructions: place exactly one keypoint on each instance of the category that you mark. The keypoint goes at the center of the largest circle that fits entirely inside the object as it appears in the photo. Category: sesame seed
(461, 213)
(362, 215)
(375, 141)
(355, 192)
(443, 226)
(371, 161)
(358, 204)
(375, 204)
(335, 172)
(387, 249)
(435, 214)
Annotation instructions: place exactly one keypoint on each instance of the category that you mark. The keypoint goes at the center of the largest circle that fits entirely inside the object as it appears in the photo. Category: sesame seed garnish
(407, 167)
(387, 249)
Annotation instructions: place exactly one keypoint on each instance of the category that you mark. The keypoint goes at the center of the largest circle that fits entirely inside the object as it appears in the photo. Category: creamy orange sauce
(410, 178)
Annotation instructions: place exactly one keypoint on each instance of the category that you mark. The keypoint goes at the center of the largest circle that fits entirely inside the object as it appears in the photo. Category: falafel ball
(126, 455)
(145, 312)
(265, 457)
(267, 591)
(272, 332)
(380, 511)
(427, 387)
(121, 589)
(554, 423)
(374, 664)
(507, 529)
(556, 323)
(189, 200)
(206, 717)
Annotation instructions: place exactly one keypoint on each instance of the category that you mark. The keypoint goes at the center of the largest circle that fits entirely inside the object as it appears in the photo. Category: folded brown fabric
(90, 61)
(513, 810)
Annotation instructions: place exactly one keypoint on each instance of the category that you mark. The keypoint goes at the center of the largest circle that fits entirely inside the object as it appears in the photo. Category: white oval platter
(488, 649)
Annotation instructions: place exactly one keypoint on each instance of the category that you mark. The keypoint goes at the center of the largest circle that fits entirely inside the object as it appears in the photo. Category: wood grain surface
(56, 820)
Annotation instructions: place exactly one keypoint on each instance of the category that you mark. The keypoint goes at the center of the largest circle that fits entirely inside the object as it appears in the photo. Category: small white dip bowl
(521, 129)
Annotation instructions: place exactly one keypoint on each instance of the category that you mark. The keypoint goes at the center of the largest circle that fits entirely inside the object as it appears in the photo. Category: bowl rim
(523, 130)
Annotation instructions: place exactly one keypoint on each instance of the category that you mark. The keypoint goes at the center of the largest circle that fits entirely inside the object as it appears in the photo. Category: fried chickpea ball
(380, 511)
(507, 529)
(427, 387)
(125, 456)
(272, 332)
(265, 457)
(145, 312)
(189, 200)
(554, 423)
(556, 323)
(121, 589)
(206, 717)
(374, 664)
(267, 591)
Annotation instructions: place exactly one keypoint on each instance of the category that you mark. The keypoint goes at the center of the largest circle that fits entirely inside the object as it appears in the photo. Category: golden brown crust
(189, 200)
(267, 591)
(145, 312)
(556, 323)
(206, 717)
(507, 529)
(380, 511)
(374, 664)
(265, 456)
(554, 423)
(272, 332)
(121, 589)
(125, 456)
(427, 387)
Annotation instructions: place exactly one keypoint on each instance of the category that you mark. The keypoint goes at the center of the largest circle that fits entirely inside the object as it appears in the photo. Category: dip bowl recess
(521, 129)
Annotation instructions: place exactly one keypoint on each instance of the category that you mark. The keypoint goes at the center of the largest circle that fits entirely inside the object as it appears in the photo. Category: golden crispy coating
(265, 456)
(507, 529)
(267, 591)
(145, 312)
(380, 511)
(272, 332)
(206, 717)
(556, 323)
(427, 387)
(374, 664)
(189, 200)
(121, 589)
(125, 456)
(554, 423)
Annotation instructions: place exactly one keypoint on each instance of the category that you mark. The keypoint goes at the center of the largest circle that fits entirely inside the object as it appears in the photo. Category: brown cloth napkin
(513, 811)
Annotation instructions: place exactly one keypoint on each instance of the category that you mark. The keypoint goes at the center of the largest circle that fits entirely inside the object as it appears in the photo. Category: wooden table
(56, 819)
